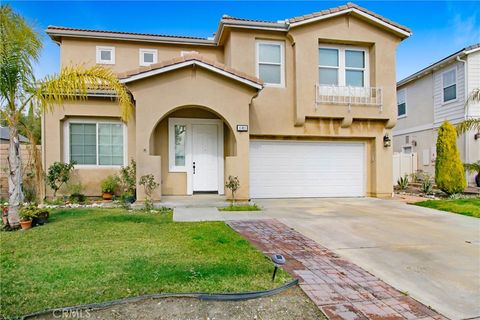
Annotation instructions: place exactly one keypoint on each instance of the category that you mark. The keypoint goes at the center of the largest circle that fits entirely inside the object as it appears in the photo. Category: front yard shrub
(149, 184)
(127, 178)
(402, 182)
(109, 184)
(449, 171)
(233, 184)
(58, 174)
(427, 184)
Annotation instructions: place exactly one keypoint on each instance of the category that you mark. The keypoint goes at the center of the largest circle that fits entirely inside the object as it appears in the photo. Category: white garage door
(290, 169)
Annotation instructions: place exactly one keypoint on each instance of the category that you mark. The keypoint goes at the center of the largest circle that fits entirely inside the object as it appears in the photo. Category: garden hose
(198, 295)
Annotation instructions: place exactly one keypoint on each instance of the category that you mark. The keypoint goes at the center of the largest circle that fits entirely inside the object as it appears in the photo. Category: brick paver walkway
(341, 289)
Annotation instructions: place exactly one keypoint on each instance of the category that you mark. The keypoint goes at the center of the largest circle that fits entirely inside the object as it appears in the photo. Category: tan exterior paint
(274, 113)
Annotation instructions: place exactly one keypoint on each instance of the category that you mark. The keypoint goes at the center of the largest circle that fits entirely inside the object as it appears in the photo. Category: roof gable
(190, 60)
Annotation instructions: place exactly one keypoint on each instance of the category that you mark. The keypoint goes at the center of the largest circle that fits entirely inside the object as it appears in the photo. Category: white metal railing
(328, 94)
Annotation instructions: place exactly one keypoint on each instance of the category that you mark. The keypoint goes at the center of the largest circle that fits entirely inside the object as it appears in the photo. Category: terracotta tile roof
(347, 6)
(227, 17)
(51, 28)
(190, 57)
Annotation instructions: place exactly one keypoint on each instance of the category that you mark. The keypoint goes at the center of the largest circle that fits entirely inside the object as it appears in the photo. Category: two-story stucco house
(432, 95)
(295, 108)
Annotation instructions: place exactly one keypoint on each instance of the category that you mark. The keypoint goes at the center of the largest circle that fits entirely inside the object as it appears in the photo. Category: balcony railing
(327, 94)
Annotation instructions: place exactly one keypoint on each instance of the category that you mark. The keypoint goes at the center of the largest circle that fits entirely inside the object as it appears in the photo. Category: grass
(93, 255)
(247, 207)
(467, 207)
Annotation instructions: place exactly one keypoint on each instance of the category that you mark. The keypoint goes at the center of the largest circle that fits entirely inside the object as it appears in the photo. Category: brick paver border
(341, 289)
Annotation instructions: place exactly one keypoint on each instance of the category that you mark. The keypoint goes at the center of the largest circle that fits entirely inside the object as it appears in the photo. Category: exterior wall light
(477, 136)
(387, 142)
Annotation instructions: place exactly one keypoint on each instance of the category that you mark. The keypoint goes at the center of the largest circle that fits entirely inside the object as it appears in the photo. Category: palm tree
(20, 47)
(472, 123)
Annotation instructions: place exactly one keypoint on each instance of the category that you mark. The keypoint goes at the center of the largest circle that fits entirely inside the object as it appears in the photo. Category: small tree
(449, 172)
(58, 174)
(149, 184)
(233, 185)
(128, 175)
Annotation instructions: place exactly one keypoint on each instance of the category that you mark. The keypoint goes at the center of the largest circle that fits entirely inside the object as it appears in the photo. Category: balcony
(361, 96)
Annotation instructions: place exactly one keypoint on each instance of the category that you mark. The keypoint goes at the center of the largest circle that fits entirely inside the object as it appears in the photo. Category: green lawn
(468, 207)
(92, 255)
(246, 207)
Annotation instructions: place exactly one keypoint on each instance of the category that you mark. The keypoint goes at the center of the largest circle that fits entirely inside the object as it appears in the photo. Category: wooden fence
(26, 160)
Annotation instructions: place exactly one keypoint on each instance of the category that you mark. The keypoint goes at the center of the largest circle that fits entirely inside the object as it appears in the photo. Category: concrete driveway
(432, 255)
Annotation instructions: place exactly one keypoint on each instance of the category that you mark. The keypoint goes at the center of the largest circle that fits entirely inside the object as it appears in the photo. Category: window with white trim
(105, 55)
(148, 56)
(271, 63)
(401, 104)
(449, 85)
(96, 143)
(343, 66)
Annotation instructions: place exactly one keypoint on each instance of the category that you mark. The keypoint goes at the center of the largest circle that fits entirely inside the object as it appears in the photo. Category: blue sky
(439, 27)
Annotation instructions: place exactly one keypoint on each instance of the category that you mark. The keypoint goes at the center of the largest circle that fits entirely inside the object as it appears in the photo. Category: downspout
(465, 81)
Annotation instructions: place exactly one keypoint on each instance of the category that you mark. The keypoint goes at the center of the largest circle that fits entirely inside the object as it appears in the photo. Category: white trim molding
(141, 57)
(281, 45)
(191, 63)
(188, 123)
(99, 59)
(353, 10)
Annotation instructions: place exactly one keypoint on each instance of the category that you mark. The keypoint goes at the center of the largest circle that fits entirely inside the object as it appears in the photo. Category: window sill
(449, 101)
(402, 116)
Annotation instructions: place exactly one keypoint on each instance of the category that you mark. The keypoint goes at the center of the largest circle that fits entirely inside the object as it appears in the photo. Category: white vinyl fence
(403, 164)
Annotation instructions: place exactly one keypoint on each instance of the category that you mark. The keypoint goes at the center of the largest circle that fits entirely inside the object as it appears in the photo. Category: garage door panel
(306, 169)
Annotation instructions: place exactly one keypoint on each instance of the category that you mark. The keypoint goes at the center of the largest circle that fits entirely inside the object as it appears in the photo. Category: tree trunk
(15, 178)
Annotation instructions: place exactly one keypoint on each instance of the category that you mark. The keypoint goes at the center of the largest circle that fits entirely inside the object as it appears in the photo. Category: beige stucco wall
(83, 51)
(158, 96)
(53, 139)
(277, 113)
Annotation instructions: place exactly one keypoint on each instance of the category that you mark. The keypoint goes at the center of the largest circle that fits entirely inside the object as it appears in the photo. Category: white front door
(205, 157)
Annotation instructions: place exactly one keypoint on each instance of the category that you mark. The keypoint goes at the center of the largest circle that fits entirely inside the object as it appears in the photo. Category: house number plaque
(242, 128)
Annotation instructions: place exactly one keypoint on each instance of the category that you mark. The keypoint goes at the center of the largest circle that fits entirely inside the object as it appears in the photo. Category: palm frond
(75, 82)
(474, 96)
(472, 167)
(468, 125)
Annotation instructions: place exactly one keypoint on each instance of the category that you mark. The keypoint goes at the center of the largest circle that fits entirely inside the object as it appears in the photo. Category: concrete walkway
(432, 255)
(341, 289)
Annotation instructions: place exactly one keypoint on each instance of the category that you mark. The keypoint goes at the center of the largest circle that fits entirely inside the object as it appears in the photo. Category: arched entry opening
(193, 143)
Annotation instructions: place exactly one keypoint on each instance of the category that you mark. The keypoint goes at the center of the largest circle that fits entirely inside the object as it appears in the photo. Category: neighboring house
(294, 108)
(5, 136)
(432, 95)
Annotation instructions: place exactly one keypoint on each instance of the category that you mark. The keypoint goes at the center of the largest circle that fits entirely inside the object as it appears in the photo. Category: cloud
(465, 27)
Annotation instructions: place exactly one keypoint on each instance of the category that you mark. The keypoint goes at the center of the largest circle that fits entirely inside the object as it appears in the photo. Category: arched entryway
(193, 143)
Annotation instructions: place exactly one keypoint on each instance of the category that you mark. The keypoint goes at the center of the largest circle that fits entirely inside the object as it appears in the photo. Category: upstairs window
(401, 104)
(270, 63)
(148, 56)
(328, 64)
(449, 84)
(105, 55)
(343, 66)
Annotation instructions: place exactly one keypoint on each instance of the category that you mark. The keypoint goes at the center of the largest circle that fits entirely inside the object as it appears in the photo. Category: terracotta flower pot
(107, 196)
(26, 224)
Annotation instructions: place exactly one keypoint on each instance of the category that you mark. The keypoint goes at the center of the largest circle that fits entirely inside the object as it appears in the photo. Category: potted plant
(41, 217)
(4, 208)
(474, 168)
(27, 213)
(109, 185)
(128, 197)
